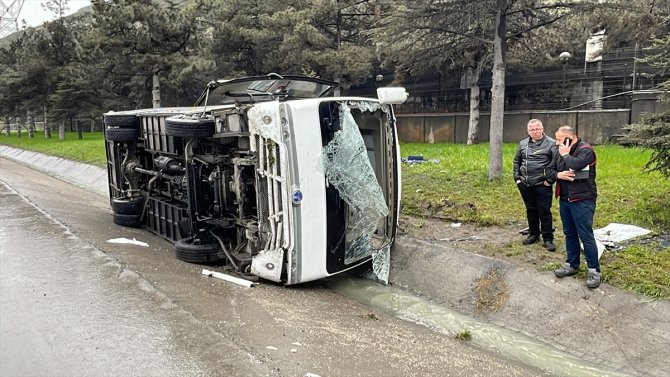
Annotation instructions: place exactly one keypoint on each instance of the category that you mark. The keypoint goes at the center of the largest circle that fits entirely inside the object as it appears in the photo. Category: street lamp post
(563, 58)
(378, 80)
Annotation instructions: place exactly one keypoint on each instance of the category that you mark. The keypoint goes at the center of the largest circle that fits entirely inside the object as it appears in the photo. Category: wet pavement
(68, 309)
(72, 304)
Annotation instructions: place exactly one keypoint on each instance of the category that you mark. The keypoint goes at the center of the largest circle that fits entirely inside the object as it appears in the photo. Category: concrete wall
(595, 126)
(646, 103)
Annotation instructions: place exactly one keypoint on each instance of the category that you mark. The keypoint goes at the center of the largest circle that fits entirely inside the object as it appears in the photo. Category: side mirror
(392, 96)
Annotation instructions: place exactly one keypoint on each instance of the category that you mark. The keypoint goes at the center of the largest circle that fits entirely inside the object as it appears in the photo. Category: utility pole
(9, 16)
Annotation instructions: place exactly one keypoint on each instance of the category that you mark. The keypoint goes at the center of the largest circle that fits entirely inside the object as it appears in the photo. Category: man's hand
(563, 149)
(566, 175)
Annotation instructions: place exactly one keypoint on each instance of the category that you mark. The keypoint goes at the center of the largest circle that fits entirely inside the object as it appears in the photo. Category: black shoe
(531, 239)
(550, 245)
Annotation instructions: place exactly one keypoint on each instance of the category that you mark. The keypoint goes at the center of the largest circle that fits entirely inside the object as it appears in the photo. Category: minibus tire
(187, 251)
(122, 134)
(121, 121)
(187, 127)
(128, 206)
(131, 221)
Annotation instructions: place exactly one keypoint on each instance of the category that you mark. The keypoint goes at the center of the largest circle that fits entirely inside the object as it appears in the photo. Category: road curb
(80, 174)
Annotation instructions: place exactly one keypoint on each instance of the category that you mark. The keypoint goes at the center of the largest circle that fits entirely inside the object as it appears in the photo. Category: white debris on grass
(614, 232)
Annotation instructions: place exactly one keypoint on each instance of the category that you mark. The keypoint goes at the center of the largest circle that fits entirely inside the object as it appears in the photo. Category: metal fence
(595, 126)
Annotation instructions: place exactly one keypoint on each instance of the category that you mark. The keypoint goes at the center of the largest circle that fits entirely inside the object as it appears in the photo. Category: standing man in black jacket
(574, 170)
(532, 157)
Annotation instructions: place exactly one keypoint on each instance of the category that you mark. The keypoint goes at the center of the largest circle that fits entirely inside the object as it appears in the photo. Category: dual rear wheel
(128, 211)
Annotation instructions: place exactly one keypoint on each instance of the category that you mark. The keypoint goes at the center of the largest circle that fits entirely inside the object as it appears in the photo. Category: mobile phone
(567, 142)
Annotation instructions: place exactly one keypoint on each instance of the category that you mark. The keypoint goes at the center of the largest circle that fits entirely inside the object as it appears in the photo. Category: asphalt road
(72, 304)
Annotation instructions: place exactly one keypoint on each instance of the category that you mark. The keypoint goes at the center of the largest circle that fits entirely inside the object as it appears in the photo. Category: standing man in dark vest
(532, 157)
(574, 170)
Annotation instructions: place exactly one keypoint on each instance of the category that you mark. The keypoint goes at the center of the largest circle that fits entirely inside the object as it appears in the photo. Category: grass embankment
(456, 188)
(90, 150)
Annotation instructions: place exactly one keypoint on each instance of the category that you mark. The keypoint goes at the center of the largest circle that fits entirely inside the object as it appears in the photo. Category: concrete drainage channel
(486, 336)
(557, 326)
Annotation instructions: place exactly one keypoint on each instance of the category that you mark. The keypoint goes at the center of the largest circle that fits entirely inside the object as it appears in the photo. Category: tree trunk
(31, 125)
(475, 101)
(19, 126)
(92, 124)
(80, 131)
(498, 93)
(338, 91)
(156, 91)
(47, 129)
(8, 129)
(61, 130)
(473, 128)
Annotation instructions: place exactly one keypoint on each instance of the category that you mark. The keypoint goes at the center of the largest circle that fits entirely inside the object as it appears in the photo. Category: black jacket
(581, 155)
(531, 160)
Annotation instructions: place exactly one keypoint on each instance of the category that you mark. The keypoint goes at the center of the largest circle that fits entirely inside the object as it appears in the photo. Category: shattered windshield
(347, 167)
(265, 88)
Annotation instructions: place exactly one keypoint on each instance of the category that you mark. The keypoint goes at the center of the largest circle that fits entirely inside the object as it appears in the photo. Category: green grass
(640, 268)
(90, 150)
(457, 187)
(464, 335)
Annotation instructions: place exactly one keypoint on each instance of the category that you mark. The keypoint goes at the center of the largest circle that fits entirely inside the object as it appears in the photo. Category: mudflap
(268, 264)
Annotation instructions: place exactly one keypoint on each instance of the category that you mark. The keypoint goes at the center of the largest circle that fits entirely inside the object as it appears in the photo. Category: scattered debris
(371, 316)
(127, 241)
(614, 232)
(418, 160)
(272, 348)
(228, 278)
(455, 225)
(293, 350)
(471, 238)
(607, 237)
(297, 344)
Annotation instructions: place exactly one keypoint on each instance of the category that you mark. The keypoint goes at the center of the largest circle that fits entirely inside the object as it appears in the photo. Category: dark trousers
(577, 220)
(538, 210)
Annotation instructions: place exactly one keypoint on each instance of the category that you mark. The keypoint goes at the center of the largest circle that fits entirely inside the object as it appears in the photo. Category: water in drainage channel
(510, 344)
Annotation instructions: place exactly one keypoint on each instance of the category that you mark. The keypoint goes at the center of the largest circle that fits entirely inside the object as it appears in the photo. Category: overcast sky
(34, 15)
